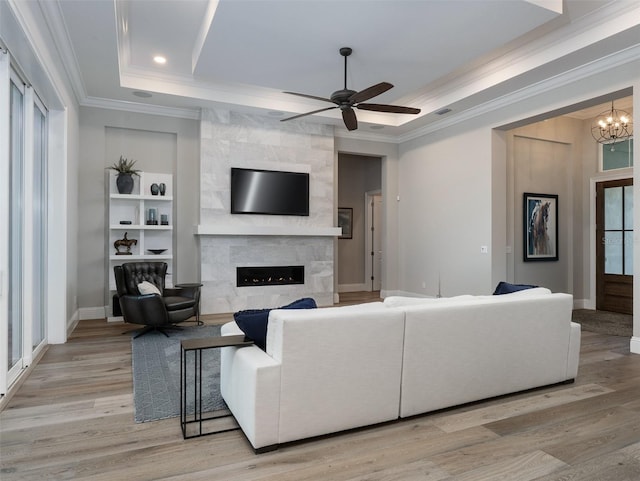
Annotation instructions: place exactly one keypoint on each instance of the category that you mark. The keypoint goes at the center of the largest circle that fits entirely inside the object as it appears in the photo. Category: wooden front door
(614, 246)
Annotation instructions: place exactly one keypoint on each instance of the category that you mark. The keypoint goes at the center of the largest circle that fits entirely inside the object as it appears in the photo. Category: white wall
(158, 144)
(556, 156)
(449, 184)
(25, 32)
(445, 214)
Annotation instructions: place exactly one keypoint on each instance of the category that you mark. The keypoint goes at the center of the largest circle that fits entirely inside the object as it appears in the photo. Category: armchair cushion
(147, 287)
(176, 303)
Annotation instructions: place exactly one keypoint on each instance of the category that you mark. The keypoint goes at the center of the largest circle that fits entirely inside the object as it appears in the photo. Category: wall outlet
(508, 249)
(424, 285)
(484, 250)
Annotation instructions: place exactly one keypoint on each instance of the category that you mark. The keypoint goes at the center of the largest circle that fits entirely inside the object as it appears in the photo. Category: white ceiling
(242, 54)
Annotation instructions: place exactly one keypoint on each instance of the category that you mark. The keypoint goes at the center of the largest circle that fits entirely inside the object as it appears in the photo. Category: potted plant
(125, 171)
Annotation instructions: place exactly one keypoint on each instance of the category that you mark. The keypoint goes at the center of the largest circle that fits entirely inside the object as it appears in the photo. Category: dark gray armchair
(156, 312)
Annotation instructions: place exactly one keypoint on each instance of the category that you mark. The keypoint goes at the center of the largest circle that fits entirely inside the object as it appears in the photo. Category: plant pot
(124, 182)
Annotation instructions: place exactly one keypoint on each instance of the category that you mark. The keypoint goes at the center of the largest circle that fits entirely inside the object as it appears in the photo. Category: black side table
(195, 286)
(197, 346)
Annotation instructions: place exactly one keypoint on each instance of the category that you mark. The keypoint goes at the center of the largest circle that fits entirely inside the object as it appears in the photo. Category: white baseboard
(352, 287)
(584, 304)
(634, 346)
(402, 294)
(92, 313)
(72, 323)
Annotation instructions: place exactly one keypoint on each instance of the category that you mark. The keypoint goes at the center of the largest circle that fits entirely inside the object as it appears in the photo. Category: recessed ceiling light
(160, 59)
(144, 95)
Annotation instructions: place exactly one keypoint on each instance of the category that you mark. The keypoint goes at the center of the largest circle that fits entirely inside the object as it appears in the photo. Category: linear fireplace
(269, 276)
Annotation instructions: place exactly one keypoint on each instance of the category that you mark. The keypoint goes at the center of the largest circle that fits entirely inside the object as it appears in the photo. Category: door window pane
(39, 225)
(613, 208)
(628, 207)
(613, 252)
(628, 253)
(15, 225)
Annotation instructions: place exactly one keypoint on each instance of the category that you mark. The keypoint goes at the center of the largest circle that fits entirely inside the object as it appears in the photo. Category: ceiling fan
(346, 100)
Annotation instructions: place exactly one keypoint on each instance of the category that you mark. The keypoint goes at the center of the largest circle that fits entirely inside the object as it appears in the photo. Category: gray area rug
(604, 322)
(156, 374)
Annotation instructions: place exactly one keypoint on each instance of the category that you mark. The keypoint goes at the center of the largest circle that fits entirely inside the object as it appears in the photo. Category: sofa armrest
(573, 358)
(250, 385)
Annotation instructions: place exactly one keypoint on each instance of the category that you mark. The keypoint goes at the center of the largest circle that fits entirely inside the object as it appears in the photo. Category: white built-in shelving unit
(134, 208)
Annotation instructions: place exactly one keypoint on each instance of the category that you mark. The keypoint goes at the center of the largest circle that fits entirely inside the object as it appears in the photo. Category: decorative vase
(154, 189)
(163, 188)
(124, 182)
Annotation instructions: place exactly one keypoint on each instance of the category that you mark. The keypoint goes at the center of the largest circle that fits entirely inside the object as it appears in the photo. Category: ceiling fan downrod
(345, 52)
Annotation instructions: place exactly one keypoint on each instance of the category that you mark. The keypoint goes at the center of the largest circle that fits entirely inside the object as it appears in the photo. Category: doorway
(614, 246)
(358, 176)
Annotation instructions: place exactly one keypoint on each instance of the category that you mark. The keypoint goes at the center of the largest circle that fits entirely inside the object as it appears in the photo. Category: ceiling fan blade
(394, 109)
(370, 92)
(308, 113)
(350, 119)
(309, 96)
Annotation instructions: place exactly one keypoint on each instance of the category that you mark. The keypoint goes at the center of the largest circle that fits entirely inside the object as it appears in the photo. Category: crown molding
(135, 107)
(62, 41)
(594, 27)
(579, 73)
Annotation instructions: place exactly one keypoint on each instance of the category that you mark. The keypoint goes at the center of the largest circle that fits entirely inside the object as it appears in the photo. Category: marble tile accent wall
(230, 139)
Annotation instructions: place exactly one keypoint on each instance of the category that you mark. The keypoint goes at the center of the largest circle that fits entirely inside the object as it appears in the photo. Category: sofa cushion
(507, 288)
(253, 322)
(533, 292)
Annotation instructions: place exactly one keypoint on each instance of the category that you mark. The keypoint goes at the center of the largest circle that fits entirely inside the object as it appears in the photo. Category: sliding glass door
(23, 224)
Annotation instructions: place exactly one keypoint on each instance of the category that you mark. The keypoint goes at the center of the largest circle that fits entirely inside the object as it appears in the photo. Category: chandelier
(612, 126)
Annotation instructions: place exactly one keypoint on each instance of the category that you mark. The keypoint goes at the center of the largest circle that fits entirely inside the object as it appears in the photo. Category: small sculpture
(124, 242)
(155, 189)
(163, 188)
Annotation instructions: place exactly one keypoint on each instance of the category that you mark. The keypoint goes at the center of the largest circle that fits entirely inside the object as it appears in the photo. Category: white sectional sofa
(331, 369)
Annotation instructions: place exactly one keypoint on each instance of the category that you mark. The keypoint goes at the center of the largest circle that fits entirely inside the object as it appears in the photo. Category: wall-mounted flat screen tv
(269, 192)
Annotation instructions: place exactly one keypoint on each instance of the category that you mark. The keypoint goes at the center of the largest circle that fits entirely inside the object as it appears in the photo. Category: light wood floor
(73, 419)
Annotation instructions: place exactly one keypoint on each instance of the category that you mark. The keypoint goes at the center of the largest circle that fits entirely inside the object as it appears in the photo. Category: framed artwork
(345, 220)
(540, 227)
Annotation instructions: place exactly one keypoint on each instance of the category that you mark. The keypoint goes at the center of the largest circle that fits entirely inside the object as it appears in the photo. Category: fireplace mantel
(266, 230)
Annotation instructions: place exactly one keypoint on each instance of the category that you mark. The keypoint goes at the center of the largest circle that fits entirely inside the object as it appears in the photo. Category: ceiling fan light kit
(346, 100)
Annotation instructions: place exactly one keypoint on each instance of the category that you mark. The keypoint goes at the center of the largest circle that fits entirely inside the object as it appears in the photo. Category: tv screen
(269, 192)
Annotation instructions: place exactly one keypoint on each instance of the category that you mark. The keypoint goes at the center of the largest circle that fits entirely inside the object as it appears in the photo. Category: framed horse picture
(540, 223)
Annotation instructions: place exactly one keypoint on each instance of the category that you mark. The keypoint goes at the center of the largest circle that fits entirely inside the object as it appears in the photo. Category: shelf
(267, 230)
(141, 197)
(139, 257)
(140, 227)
